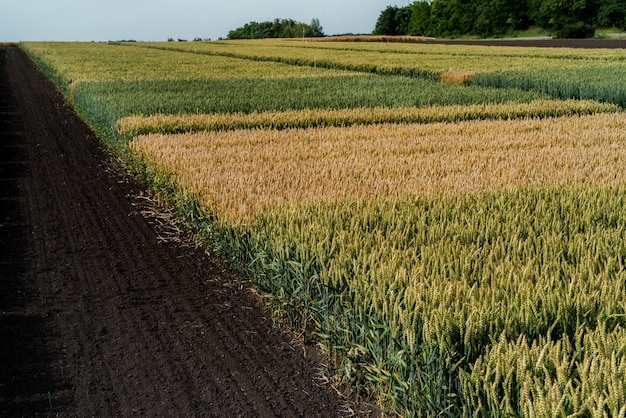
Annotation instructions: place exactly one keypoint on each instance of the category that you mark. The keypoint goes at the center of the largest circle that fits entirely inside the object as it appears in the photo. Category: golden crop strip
(140, 125)
(241, 172)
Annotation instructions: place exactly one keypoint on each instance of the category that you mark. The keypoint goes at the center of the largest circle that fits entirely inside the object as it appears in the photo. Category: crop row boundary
(132, 126)
(364, 68)
(460, 77)
(363, 355)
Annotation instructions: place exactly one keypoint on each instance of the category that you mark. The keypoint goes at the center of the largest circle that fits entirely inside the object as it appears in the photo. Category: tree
(402, 18)
(612, 14)
(393, 21)
(419, 24)
(279, 28)
(566, 18)
(315, 29)
(452, 18)
(497, 17)
(386, 23)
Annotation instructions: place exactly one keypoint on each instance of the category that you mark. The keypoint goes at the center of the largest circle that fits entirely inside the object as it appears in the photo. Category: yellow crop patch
(241, 172)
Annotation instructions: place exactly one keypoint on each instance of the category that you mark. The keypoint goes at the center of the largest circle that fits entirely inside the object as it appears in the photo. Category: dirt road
(99, 316)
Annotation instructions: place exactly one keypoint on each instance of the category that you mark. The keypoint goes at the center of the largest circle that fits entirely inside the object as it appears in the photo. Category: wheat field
(241, 172)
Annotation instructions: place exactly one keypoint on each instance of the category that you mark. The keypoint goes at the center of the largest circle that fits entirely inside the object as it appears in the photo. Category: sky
(158, 20)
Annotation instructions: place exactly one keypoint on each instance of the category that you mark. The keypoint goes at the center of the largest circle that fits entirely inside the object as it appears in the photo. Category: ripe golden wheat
(241, 172)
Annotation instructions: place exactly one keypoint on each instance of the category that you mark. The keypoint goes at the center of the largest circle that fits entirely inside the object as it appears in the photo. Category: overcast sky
(158, 20)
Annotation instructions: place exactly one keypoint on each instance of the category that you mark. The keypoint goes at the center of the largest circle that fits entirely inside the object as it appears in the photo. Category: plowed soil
(101, 316)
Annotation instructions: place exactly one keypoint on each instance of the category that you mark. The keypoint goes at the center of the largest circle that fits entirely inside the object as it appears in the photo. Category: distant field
(403, 58)
(78, 62)
(446, 220)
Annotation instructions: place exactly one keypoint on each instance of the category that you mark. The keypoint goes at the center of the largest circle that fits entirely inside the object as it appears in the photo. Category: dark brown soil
(99, 316)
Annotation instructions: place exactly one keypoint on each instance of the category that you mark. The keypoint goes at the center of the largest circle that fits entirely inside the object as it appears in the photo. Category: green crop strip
(604, 83)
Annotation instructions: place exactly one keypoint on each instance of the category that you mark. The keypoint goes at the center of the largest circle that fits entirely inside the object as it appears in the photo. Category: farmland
(455, 247)
(397, 58)
(105, 312)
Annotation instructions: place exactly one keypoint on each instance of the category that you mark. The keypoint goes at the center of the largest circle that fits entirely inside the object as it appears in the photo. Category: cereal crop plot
(425, 60)
(455, 248)
(76, 62)
(389, 160)
(437, 236)
(603, 83)
(132, 126)
(104, 103)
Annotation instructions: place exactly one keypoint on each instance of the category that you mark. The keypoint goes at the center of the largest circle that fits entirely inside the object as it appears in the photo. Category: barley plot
(119, 99)
(473, 279)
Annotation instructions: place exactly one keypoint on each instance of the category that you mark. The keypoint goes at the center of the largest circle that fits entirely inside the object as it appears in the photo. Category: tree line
(487, 18)
(279, 28)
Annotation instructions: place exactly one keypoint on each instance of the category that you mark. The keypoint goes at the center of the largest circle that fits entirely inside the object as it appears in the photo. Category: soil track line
(98, 317)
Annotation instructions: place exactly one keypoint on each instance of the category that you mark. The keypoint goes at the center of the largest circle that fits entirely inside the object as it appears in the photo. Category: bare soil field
(101, 316)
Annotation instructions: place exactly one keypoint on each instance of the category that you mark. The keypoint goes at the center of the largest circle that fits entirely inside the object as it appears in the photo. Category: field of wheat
(389, 160)
(136, 125)
(402, 58)
(456, 248)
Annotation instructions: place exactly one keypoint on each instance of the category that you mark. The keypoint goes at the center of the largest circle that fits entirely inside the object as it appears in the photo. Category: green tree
(386, 23)
(285, 28)
(612, 13)
(279, 28)
(315, 28)
(419, 24)
(452, 18)
(497, 17)
(403, 17)
(566, 18)
(393, 21)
